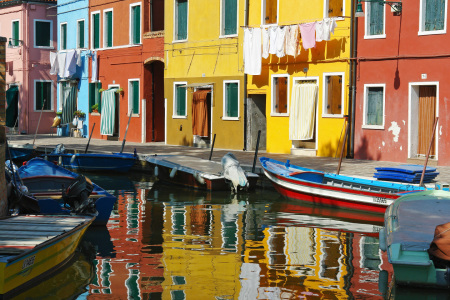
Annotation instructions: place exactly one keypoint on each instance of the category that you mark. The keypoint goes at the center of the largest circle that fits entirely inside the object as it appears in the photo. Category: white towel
(265, 42)
(79, 57)
(71, 64)
(302, 111)
(252, 51)
(53, 63)
(320, 31)
(94, 75)
(61, 64)
(281, 41)
(273, 39)
(292, 47)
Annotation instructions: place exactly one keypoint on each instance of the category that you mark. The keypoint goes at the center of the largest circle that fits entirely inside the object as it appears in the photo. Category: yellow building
(306, 97)
(204, 81)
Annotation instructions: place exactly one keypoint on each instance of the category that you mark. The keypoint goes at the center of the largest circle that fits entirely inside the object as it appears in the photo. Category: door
(12, 109)
(427, 116)
(256, 112)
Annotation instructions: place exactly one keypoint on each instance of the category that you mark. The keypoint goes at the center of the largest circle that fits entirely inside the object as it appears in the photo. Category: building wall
(3, 199)
(204, 58)
(326, 57)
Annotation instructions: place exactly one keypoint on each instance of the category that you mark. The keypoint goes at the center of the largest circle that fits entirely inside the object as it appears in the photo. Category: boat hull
(24, 270)
(95, 162)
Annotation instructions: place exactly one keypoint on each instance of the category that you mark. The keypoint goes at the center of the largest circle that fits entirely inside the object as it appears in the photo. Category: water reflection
(171, 243)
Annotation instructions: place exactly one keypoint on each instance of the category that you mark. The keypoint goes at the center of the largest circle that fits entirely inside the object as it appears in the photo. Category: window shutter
(232, 100)
(335, 8)
(39, 95)
(96, 31)
(230, 19)
(135, 94)
(98, 98)
(15, 31)
(434, 15)
(91, 95)
(181, 97)
(375, 106)
(81, 34)
(440, 14)
(109, 25)
(42, 34)
(182, 6)
(376, 18)
(63, 36)
(43, 92)
(271, 12)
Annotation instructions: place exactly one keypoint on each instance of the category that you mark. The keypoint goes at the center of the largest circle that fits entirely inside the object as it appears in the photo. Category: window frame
(222, 20)
(326, 4)
(422, 11)
(51, 95)
(79, 46)
(365, 106)
(175, 84)
(131, 20)
(367, 34)
(131, 95)
(16, 43)
(98, 86)
(61, 41)
(105, 37)
(175, 23)
(92, 42)
(325, 95)
(224, 107)
(263, 13)
(273, 113)
(50, 46)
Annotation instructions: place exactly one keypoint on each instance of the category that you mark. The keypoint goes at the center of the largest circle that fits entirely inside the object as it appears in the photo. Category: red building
(401, 83)
(126, 38)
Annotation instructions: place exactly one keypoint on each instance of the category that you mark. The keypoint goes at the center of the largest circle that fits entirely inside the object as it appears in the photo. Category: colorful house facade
(301, 94)
(30, 27)
(401, 83)
(203, 79)
(124, 70)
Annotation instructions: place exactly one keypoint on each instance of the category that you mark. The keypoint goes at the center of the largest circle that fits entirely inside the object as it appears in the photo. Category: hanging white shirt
(53, 63)
(281, 41)
(265, 42)
(61, 63)
(94, 74)
(71, 64)
(252, 51)
(272, 39)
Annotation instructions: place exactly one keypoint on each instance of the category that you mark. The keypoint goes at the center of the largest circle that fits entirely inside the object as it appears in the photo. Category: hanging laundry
(94, 76)
(329, 24)
(292, 40)
(252, 51)
(265, 42)
(54, 63)
(61, 64)
(308, 32)
(272, 39)
(79, 57)
(281, 41)
(71, 64)
(319, 31)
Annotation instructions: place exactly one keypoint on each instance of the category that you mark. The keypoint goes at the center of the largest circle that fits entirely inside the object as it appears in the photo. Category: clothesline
(304, 21)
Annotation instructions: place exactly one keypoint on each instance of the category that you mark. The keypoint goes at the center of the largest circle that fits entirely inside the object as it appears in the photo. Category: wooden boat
(54, 186)
(331, 189)
(197, 173)
(20, 152)
(32, 247)
(94, 162)
(409, 229)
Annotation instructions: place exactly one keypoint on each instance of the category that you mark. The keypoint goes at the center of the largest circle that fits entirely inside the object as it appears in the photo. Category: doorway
(115, 134)
(202, 116)
(256, 113)
(12, 109)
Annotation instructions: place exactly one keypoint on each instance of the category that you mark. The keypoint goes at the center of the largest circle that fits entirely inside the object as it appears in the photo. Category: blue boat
(20, 152)
(92, 162)
(60, 191)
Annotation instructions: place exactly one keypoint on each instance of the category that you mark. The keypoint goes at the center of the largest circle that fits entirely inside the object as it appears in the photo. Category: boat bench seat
(309, 176)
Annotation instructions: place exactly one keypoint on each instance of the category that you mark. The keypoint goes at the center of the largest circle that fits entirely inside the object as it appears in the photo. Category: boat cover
(42, 167)
(440, 246)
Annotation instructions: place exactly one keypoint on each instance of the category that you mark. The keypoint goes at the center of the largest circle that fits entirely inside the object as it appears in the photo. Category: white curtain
(107, 120)
(302, 111)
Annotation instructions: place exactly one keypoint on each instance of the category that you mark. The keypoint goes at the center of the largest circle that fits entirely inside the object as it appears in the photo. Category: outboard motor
(77, 196)
(19, 200)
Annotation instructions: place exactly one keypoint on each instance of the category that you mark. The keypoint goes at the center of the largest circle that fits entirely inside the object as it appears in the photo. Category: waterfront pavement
(364, 168)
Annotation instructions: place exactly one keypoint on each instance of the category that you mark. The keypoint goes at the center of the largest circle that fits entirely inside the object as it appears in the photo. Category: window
(95, 33)
(135, 24)
(433, 15)
(107, 29)
(43, 95)
(231, 99)
(42, 33)
(15, 33)
(269, 12)
(181, 21)
(94, 95)
(63, 36)
(373, 106)
(280, 88)
(333, 94)
(229, 17)
(375, 19)
(80, 34)
(334, 8)
(180, 99)
(133, 96)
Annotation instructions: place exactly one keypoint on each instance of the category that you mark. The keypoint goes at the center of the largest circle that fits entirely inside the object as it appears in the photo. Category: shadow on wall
(362, 152)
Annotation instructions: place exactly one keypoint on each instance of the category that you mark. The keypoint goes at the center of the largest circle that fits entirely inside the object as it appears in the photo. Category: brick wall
(3, 199)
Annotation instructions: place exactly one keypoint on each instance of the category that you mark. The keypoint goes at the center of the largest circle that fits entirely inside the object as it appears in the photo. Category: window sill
(230, 118)
(95, 114)
(179, 41)
(375, 127)
(44, 47)
(228, 36)
(433, 32)
(372, 37)
(332, 116)
(179, 117)
(134, 115)
(279, 115)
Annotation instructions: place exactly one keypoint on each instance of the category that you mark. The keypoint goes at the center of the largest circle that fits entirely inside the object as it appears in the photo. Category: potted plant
(59, 114)
(79, 114)
(94, 108)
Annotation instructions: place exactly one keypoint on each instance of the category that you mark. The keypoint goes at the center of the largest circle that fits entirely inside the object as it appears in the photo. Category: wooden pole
(37, 127)
(428, 153)
(87, 146)
(212, 147)
(256, 152)
(343, 146)
(126, 131)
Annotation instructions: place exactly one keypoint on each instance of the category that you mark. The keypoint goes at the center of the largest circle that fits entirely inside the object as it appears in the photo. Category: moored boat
(414, 229)
(322, 188)
(33, 247)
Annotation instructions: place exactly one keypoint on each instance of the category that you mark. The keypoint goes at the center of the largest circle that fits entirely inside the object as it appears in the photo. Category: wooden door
(427, 115)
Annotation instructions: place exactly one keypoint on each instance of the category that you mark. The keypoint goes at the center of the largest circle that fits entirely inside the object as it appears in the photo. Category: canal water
(165, 242)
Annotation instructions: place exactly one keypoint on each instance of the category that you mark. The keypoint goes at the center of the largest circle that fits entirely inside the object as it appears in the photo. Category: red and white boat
(331, 189)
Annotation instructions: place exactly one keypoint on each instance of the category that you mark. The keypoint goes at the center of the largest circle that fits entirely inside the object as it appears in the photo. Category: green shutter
(182, 7)
(434, 15)
(109, 27)
(232, 100)
(136, 24)
(230, 16)
(81, 34)
(15, 33)
(63, 36)
(96, 30)
(181, 101)
(94, 95)
(375, 106)
(376, 18)
(42, 34)
(91, 95)
(135, 96)
(43, 92)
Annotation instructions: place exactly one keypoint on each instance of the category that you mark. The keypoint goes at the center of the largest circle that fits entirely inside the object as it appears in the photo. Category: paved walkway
(364, 168)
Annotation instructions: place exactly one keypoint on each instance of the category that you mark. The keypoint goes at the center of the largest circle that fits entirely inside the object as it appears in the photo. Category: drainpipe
(245, 81)
(352, 90)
